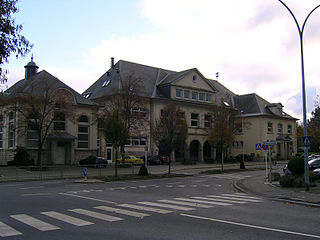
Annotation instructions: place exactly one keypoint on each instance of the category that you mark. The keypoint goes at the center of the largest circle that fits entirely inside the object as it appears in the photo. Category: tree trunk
(116, 164)
(222, 160)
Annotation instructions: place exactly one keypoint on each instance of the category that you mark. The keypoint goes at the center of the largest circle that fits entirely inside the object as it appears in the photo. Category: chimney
(112, 62)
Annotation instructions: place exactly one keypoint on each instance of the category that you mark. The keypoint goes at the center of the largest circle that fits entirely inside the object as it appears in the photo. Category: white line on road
(97, 215)
(241, 196)
(251, 226)
(68, 219)
(122, 211)
(144, 208)
(34, 194)
(27, 188)
(190, 204)
(219, 200)
(166, 206)
(7, 231)
(33, 222)
(88, 198)
(235, 198)
(201, 201)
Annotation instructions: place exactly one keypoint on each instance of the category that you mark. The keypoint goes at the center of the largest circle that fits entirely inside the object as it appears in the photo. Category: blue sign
(265, 147)
(306, 141)
(85, 172)
(258, 146)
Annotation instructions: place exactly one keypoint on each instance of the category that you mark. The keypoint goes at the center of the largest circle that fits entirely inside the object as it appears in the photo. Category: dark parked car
(94, 161)
(317, 171)
(158, 159)
(314, 163)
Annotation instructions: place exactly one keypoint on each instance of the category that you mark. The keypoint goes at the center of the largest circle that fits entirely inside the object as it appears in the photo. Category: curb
(239, 186)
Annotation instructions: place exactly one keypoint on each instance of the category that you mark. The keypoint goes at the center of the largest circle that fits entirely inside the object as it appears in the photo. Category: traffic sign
(306, 141)
(270, 143)
(85, 172)
(265, 147)
(258, 146)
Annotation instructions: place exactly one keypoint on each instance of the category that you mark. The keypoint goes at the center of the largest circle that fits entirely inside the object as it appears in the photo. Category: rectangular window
(194, 95)
(138, 112)
(270, 127)
(289, 129)
(208, 97)
(32, 139)
(143, 141)
(186, 94)
(201, 96)
(135, 141)
(178, 93)
(83, 136)
(12, 135)
(194, 119)
(59, 121)
(279, 127)
(207, 121)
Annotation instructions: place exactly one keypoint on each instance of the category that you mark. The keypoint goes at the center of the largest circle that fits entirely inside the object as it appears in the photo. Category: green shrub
(313, 177)
(21, 158)
(298, 181)
(296, 165)
(286, 181)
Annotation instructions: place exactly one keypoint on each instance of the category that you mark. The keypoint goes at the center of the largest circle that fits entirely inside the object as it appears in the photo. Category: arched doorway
(207, 156)
(194, 150)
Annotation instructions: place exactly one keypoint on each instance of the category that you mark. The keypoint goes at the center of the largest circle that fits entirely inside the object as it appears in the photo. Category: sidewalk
(258, 186)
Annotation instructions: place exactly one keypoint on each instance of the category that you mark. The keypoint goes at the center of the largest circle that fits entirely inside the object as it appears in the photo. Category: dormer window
(87, 95)
(106, 82)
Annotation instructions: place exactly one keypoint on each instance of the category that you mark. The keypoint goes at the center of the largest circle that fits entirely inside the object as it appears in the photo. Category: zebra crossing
(118, 212)
(230, 176)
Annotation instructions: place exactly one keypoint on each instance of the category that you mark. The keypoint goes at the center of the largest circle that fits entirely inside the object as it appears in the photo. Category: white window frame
(194, 120)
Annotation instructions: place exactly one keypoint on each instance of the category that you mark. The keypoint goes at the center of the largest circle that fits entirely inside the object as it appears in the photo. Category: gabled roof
(254, 105)
(152, 80)
(43, 82)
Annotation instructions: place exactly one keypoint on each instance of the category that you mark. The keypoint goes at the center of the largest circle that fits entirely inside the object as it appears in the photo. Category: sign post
(268, 144)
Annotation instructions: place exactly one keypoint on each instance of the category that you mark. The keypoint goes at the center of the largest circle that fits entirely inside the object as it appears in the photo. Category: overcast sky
(253, 44)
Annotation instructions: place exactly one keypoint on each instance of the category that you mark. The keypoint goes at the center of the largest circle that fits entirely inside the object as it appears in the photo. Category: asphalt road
(198, 207)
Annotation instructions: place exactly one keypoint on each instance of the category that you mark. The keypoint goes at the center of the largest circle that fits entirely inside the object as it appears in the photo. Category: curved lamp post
(305, 132)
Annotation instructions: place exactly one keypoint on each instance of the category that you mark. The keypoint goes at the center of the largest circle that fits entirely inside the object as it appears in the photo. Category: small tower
(31, 69)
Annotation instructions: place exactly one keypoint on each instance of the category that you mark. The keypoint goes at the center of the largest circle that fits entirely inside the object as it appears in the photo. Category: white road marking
(7, 231)
(251, 226)
(219, 200)
(205, 202)
(166, 206)
(97, 215)
(241, 196)
(88, 198)
(144, 208)
(235, 198)
(186, 203)
(33, 222)
(34, 194)
(27, 188)
(122, 211)
(68, 219)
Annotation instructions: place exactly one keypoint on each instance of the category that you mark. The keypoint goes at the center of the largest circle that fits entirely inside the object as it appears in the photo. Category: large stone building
(197, 97)
(71, 139)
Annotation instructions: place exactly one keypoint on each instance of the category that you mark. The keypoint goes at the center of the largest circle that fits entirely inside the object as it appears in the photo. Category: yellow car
(131, 159)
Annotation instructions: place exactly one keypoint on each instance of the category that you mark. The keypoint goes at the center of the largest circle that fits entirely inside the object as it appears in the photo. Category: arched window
(83, 132)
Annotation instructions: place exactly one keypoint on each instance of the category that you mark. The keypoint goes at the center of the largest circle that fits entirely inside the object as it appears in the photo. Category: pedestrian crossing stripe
(7, 231)
(202, 201)
(186, 203)
(166, 206)
(241, 196)
(96, 215)
(144, 208)
(122, 211)
(68, 219)
(219, 200)
(234, 198)
(34, 222)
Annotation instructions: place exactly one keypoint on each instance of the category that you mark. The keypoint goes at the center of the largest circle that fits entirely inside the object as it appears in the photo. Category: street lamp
(305, 132)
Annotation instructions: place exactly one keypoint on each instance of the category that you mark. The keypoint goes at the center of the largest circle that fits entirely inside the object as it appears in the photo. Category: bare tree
(170, 130)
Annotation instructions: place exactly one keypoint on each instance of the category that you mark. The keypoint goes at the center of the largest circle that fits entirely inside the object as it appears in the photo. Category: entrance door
(109, 154)
(60, 153)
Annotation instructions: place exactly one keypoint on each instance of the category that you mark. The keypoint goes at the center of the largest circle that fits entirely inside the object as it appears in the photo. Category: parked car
(158, 159)
(314, 163)
(131, 159)
(313, 156)
(94, 161)
(286, 169)
(317, 171)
